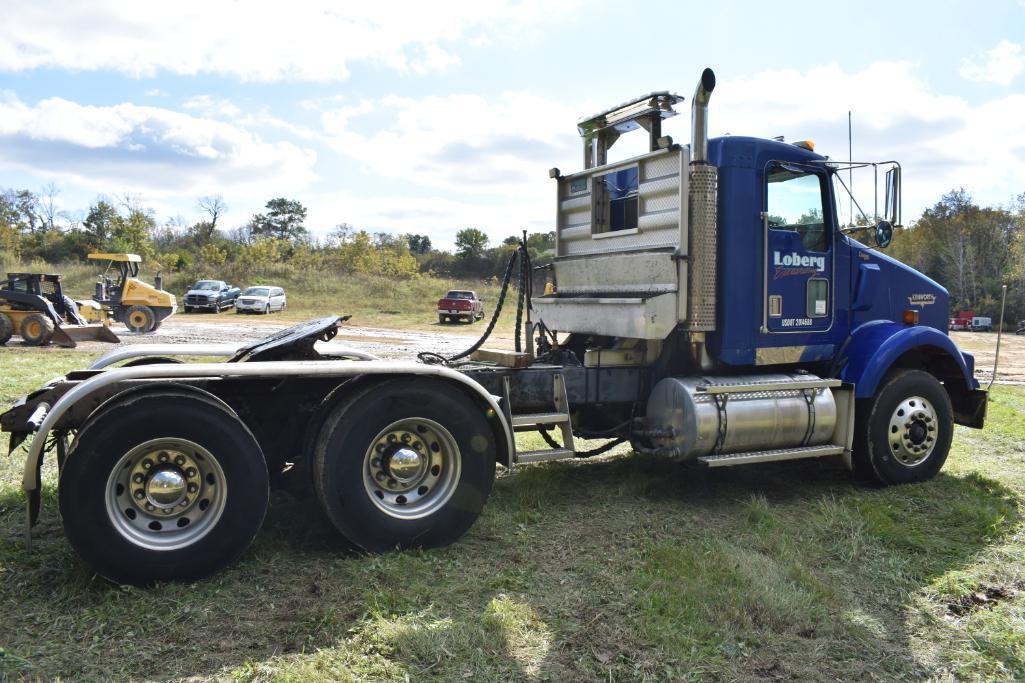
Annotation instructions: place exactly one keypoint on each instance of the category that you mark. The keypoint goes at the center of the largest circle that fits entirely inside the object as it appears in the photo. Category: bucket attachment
(67, 335)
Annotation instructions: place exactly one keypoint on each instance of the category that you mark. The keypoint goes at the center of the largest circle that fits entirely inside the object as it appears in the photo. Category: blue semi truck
(704, 304)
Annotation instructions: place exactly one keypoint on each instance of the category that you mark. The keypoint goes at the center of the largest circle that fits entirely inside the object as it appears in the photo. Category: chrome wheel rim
(912, 431)
(166, 494)
(411, 468)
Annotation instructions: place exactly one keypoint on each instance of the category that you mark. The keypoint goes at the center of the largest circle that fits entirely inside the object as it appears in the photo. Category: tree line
(32, 228)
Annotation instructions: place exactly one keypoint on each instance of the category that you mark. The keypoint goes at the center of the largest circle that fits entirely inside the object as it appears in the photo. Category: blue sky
(430, 117)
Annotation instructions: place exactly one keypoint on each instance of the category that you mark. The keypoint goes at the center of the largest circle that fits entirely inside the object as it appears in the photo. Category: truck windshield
(208, 284)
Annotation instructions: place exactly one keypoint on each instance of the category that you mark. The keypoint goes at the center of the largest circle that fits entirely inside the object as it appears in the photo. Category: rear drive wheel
(6, 328)
(140, 319)
(406, 463)
(36, 329)
(163, 486)
(903, 434)
(442, 320)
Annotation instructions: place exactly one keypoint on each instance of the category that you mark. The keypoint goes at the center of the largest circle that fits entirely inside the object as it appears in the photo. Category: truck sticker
(793, 263)
(796, 322)
(921, 299)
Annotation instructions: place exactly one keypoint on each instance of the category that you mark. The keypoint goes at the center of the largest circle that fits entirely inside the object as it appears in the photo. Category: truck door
(799, 249)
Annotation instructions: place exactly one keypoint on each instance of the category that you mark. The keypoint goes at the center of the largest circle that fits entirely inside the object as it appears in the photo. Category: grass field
(625, 568)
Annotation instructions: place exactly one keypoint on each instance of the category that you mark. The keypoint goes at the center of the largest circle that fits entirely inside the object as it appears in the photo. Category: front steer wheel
(163, 486)
(406, 463)
(902, 434)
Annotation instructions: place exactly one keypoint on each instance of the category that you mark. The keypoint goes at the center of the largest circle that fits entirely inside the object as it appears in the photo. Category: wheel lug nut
(138, 478)
(380, 476)
(376, 462)
(191, 472)
(149, 506)
(162, 457)
(146, 464)
(180, 460)
(392, 483)
(193, 488)
(139, 494)
(405, 438)
(391, 438)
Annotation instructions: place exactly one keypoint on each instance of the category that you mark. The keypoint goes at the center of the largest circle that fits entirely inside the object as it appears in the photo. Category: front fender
(874, 347)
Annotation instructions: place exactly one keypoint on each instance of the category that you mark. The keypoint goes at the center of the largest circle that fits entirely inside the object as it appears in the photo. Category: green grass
(625, 568)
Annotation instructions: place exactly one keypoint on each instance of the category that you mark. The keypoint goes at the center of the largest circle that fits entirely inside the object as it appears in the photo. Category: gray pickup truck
(210, 295)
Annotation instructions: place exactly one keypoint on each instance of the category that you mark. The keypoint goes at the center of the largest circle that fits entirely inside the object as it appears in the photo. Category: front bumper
(251, 306)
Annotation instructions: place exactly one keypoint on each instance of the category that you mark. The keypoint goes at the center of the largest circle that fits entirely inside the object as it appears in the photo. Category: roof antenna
(850, 166)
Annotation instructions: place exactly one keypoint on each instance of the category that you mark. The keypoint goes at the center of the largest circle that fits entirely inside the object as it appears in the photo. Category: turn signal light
(805, 144)
(910, 317)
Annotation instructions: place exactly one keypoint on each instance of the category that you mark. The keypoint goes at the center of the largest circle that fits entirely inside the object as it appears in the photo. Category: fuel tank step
(530, 419)
(543, 455)
(730, 459)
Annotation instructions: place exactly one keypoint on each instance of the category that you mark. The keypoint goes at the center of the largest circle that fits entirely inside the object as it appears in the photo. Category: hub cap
(166, 494)
(411, 468)
(912, 431)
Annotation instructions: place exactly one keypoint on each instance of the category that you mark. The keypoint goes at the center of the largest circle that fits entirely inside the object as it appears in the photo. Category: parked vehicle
(460, 304)
(34, 306)
(261, 299)
(127, 299)
(210, 295)
(982, 324)
(963, 321)
(700, 316)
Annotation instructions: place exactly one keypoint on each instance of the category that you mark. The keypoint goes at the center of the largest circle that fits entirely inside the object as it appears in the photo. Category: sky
(430, 117)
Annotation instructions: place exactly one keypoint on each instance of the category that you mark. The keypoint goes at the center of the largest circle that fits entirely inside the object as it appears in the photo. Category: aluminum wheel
(166, 494)
(912, 431)
(411, 468)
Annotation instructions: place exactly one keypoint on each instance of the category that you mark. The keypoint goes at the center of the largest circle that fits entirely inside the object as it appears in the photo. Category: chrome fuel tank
(740, 414)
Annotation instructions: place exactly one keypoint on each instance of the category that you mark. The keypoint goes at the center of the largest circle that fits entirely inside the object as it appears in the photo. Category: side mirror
(891, 205)
(883, 234)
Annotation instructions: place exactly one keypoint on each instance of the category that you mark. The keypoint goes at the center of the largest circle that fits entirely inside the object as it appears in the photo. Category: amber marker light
(910, 317)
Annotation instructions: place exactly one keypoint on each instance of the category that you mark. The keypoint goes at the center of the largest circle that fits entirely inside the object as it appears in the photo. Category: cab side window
(794, 203)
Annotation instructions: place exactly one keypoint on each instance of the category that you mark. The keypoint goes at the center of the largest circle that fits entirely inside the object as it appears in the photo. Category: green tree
(284, 220)
(99, 222)
(418, 244)
(471, 243)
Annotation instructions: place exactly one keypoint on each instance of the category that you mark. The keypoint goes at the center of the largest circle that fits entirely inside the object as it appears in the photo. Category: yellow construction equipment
(34, 306)
(127, 299)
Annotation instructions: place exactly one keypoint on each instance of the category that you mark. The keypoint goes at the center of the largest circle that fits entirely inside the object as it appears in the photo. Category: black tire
(894, 421)
(188, 309)
(442, 320)
(238, 311)
(36, 329)
(266, 309)
(6, 328)
(342, 464)
(139, 319)
(104, 442)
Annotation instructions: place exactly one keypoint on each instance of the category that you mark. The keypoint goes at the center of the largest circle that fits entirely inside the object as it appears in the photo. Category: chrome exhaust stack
(699, 117)
(703, 233)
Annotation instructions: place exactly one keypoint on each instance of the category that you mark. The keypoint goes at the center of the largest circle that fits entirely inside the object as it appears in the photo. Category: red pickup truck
(460, 304)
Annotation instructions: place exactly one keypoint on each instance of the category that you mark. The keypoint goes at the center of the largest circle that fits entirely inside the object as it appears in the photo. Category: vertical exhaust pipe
(699, 117)
(703, 213)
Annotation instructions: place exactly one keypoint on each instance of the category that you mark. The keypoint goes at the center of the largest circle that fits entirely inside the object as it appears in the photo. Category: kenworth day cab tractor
(707, 306)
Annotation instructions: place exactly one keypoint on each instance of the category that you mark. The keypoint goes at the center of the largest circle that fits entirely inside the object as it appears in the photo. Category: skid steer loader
(34, 306)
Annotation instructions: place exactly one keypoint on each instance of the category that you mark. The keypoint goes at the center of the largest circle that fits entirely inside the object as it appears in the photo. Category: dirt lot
(450, 339)
(387, 343)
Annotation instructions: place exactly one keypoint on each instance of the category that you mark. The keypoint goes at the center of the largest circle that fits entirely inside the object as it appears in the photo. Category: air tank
(740, 414)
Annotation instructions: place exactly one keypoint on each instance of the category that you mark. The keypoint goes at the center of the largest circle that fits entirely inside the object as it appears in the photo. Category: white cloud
(208, 105)
(258, 41)
(1001, 65)
(144, 149)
